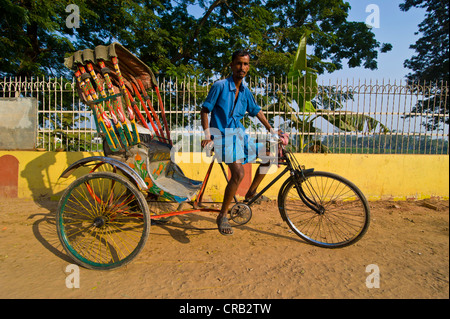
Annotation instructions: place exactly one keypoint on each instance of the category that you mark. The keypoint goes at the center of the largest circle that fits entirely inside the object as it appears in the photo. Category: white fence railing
(344, 117)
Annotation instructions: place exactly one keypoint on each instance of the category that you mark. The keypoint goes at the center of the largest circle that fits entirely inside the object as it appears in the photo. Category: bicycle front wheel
(103, 221)
(325, 210)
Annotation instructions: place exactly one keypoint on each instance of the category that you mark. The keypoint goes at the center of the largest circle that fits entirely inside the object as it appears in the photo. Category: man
(228, 101)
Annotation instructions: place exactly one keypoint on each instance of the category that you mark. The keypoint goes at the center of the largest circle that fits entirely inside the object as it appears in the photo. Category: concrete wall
(18, 125)
(35, 175)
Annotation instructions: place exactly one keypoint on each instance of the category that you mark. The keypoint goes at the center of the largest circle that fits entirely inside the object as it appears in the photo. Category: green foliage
(302, 83)
(431, 62)
(386, 144)
(34, 40)
(164, 34)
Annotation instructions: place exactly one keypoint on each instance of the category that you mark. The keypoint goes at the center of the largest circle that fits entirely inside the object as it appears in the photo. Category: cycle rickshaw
(104, 217)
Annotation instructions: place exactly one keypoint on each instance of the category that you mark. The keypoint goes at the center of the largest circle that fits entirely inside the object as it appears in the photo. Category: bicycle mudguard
(125, 169)
(306, 172)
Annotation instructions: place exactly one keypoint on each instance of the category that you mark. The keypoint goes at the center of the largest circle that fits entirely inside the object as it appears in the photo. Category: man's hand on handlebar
(204, 143)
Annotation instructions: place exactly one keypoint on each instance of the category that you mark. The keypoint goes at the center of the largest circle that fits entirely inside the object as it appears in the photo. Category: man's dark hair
(239, 52)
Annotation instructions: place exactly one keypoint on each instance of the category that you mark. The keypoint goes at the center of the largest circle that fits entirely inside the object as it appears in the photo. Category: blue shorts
(240, 148)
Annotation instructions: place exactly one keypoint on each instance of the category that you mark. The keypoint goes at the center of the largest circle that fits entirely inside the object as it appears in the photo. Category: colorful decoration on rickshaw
(111, 76)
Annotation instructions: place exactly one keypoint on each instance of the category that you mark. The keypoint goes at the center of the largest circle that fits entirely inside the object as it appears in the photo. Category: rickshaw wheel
(103, 221)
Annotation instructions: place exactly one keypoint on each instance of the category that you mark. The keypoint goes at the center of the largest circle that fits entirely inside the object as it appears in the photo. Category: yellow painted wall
(396, 177)
(39, 172)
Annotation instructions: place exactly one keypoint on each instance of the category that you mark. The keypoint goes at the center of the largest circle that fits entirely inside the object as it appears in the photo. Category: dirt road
(407, 242)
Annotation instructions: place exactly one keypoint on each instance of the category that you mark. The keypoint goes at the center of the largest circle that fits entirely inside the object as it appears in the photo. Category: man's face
(240, 66)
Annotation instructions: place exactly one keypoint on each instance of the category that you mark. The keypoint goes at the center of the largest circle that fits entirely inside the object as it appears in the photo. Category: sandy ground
(407, 241)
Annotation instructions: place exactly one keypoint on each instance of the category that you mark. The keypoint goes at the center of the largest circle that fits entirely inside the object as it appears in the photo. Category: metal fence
(365, 117)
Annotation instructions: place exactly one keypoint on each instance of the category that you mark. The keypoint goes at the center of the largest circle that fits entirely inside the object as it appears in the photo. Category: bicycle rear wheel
(102, 221)
(325, 210)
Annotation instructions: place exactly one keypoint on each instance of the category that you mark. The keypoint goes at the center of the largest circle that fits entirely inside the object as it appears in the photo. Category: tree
(431, 63)
(432, 60)
(34, 37)
(270, 31)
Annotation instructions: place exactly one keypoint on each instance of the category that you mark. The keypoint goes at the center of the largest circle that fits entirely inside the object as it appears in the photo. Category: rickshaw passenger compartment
(166, 174)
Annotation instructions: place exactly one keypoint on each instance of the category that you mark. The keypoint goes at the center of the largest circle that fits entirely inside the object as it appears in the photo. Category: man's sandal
(224, 226)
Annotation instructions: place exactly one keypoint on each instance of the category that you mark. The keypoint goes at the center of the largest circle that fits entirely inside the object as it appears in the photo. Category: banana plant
(303, 88)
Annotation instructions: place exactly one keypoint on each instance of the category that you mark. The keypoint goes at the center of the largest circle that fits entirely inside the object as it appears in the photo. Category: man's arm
(204, 120)
(262, 118)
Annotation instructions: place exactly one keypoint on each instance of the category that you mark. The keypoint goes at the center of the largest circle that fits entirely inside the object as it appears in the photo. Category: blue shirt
(230, 141)
(224, 112)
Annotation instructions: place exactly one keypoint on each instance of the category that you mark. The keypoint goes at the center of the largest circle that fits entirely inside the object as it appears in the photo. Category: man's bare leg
(237, 174)
(259, 176)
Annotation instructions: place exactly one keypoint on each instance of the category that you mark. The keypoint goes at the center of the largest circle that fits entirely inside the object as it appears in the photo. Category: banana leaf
(346, 121)
(300, 62)
(305, 84)
(352, 122)
(303, 88)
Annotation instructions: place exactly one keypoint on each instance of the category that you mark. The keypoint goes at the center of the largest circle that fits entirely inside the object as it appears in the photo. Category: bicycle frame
(291, 166)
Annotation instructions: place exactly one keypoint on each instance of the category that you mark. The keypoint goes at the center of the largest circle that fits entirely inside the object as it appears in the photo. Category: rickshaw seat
(167, 175)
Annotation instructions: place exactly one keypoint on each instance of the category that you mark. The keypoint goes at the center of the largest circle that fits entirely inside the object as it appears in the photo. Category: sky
(395, 27)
